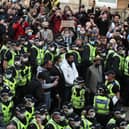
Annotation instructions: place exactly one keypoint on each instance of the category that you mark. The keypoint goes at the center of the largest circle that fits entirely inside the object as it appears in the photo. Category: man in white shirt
(70, 74)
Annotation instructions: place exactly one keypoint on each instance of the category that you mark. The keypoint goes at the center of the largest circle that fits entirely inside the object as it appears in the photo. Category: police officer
(125, 96)
(78, 97)
(103, 105)
(50, 53)
(6, 104)
(45, 114)
(21, 80)
(1, 81)
(90, 52)
(36, 122)
(88, 117)
(27, 69)
(118, 114)
(15, 49)
(111, 50)
(19, 119)
(9, 79)
(113, 87)
(37, 54)
(74, 122)
(29, 106)
(67, 109)
(57, 120)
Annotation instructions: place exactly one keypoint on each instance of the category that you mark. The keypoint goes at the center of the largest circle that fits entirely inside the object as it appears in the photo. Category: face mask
(29, 33)
(123, 116)
(82, 32)
(14, 1)
(43, 117)
(78, 28)
(22, 115)
(106, 77)
(25, 43)
(5, 99)
(62, 118)
(29, 104)
(52, 49)
(92, 115)
(77, 124)
(70, 111)
(18, 63)
(8, 76)
(92, 42)
(25, 59)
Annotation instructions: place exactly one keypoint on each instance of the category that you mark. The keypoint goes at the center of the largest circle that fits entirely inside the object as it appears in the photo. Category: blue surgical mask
(92, 42)
(29, 33)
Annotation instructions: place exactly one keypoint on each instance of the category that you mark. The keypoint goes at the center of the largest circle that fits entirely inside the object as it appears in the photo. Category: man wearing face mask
(118, 114)
(15, 49)
(74, 122)
(67, 109)
(57, 121)
(27, 69)
(45, 33)
(29, 106)
(78, 97)
(19, 118)
(26, 44)
(50, 53)
(89, 53)
(37, 54)
(20, 78)
(9, 79)
(6, 104)
(29, 33)
(88, 117)
(94, 77)
(36, 122)
(103, 105)
(113, 87)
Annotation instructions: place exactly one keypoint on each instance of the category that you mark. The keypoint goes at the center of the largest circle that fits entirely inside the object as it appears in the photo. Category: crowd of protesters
(54, 76)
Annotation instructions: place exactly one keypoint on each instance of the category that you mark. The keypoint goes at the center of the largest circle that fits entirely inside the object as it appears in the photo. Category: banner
(107, 3)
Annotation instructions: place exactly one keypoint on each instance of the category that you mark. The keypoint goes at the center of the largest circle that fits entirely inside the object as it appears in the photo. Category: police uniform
(125, 95)
(7, 111)
(78, 97)
(113, 87)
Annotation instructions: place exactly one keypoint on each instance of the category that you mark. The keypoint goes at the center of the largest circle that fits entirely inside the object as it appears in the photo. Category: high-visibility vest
(110, 85)
(126, 66)
(121, 63)
(40, 55)
(19, 124)
(29, 115)
(101, 104)
(86, 123)
(77, 54)
(55, 125)
(78, 101)
(7, 112)
(50, 53)
(12, 85)
(92, 52)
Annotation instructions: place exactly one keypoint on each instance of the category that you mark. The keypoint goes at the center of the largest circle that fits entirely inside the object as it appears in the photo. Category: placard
(68, 23)
(107, 3)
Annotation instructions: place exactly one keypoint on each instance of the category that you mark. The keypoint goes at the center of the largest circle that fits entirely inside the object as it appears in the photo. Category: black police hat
(110, 72)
